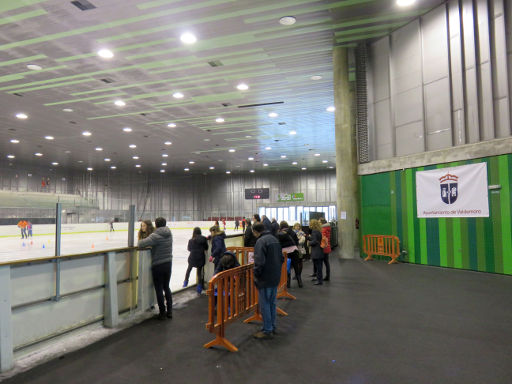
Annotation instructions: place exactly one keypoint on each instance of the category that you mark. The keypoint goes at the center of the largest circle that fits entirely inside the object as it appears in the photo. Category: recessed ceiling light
(38, 154)
(324, 161)
(316, 77)
(99, 149)
(165, 155)
(232, 150)
(89, 169)
(105, 53)
(168, 143)
(113, 167)
(164, 164)
(219, 120)
(303, 168)
(178, 95)
(292, 132)
(80, 161)
(120, 103)
(21, 116)
(283, 156)
(330, 108)
(265, 165)
(188, 38)
(49, 137)
(317, 154)
(135, 157)
(137, 165)
(331, 167)
(67, 151)
(162, 171)
(405, 3)
(206, 139)
(127, 129)
(268, 148)
(212, 167)
(287, 20)
(107, 159)
(191, 162)
(294, 163)
(248, 136)
(171, 125)
(186, 169)
(67, 110)
(55, 163)
(34, 67)
(132, 146)
(242, 87)
(11, 156)
(273, 114)
(252, 171)
(228, 172)
(250, 158)
(14, 141)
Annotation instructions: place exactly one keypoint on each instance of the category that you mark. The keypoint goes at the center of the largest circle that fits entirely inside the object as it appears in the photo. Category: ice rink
(40, 246)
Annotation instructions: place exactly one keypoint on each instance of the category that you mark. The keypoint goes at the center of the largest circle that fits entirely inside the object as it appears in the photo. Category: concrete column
(346, 156)
(111, 300)
(6, 343)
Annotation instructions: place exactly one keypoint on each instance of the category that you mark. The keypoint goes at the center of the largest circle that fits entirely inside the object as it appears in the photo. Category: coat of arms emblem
(449, 188)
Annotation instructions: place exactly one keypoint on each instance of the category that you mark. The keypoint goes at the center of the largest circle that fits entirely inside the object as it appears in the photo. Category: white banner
(453, 192)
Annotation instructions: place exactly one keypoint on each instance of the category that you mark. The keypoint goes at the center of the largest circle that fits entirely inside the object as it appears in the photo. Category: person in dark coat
(160, 242)
(290, 244)
(317, 253)
(268, 258)
(218, 244)
(249, 238)
(227, 261)
(197, 246)
(275, 226)
(266, 223)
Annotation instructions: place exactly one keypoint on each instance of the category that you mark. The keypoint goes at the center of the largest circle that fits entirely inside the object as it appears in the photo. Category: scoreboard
(257, 193)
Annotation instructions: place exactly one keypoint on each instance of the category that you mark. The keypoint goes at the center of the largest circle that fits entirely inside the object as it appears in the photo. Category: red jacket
(326, 231)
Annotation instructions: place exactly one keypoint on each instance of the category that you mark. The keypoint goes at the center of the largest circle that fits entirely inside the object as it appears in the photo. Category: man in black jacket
(268, 258)
(160, 242)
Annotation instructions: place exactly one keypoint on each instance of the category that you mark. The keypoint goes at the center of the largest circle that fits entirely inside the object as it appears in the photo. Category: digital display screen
(257, 193)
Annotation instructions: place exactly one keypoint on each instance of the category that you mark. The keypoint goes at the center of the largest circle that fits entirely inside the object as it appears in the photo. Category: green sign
(290, 197)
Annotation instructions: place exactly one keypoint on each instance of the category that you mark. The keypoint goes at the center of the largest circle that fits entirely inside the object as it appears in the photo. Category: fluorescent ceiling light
(113, 167)
(67, 110)
(268, 148)
(162, 171)
(14, 141)
(250, 158)
(273, 114)
(219, 120)
(11, 156)
(55, 163)
(242, 87)
(106, 159)
(132, 146)
(186, 169)
(105, 53)
(188, 38)
(178, 95)
(330, 108)
(248, 136)
(252, 171)
(137, 165)
(265, 165)
(168, 143)
(99, 149)
(212, 167)
(317, 154)
(294, 163)
(405, 3)
(324, 161)
(191, 162)
(331, 167)
(171, 125)
(49, 137)
(303, 168)
(232, 150)
(38, 154)
(316, 77)
(120, 103)
(34, 67)
(89, 169)
(165, 155)
(292, 132)
(228, 172)
(21, 116)
(127, 129)
(287, 20)
(164, 164)
(135, 157)
(283, 156)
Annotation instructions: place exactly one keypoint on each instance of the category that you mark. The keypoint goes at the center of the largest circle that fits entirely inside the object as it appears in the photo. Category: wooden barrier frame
(381, 245)
(241, 253)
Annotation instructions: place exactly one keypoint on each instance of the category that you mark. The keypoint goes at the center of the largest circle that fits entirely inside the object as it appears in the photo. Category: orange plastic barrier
(236, 295)
(381, 245)
(243, 254)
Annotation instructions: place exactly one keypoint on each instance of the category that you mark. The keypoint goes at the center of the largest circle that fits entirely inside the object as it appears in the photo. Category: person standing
(243, 225)
(326, 232)
(22, 225)
(266, 223)
(275, 226)
(224, 224)
(249, 238)
(29, 229)
(301, 236)
(146, 229)
(112, 225)
(317, 253)
(268, 258)
(160, 242)
(237, 223)
(218, 245)
(290, 244)
(197, 246)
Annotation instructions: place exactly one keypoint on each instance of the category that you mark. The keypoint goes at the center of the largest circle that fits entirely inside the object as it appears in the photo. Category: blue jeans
(267, 301)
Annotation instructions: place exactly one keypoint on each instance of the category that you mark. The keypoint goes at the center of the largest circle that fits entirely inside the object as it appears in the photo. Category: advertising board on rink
(453, 192)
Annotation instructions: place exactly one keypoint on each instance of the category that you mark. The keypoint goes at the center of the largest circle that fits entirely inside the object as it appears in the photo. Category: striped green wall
(388, 207)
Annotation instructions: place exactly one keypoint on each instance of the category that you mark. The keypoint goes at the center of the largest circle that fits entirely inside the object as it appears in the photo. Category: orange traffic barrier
(243, 254)
(231, 294)
(381, 245)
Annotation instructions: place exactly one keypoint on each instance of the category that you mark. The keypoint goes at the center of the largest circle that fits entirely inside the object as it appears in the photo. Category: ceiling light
(113, 167)
(324, 161)
(294, 163)
(317, 154)
(186, 169)
(38, 154)
(212, 167)
(105, 53)
(228, 172)
(34, 67)
(132, 146)
(219, 120)
(292, 132)
(168, 143)
(11, 156)
(99, 149)
(316, 77)
(252, 171)
(127, 129)
(165, 155)
(21, 116)
(405, 3)
(67, 151)
(107, 159)
(164, 164)
(162, 171)
(137, 165)
(242, 87)
(135, 157)
(331, 167)
(178, 95)
(273, 114)
(268, 148)
(232, 150)
(67, 110)
(171, 125)
(188, 38)
(250, 158)
(89, 169)
(283, 156)
(55, 163)
(14, 141)
(120, 103)
(191, 162)
(330, 108)
(303, 168)
(49, 137)
(248, 136)
(287, 20)
(265, 165)
(80, 161)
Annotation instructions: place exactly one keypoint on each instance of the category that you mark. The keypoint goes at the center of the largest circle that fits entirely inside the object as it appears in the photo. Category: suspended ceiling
(244, 41)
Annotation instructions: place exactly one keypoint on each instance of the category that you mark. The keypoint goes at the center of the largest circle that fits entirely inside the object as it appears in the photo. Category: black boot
(299, 280)
(288, 281)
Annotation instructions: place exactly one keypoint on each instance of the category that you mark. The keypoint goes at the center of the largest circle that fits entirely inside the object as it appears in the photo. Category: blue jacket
(268, 258)
(218, 247)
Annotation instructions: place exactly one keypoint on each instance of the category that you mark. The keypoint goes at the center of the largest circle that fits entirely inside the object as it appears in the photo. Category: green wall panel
(388, 207)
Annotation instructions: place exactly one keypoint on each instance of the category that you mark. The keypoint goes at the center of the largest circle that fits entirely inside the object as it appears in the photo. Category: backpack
(324, 243)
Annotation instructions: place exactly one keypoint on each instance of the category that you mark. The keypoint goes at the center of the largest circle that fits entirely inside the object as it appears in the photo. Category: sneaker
(263, 335)
(185, 284)
(199, 289)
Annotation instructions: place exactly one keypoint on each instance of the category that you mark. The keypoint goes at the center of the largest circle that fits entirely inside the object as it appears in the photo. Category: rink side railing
(43, 298)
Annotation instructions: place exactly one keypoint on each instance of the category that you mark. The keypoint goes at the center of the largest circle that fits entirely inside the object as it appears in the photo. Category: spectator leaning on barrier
(218, 244)
(146, 229)
(268, 258)
(160, 242)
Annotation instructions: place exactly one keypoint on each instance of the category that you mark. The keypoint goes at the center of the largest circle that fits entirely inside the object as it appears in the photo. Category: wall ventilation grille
(362, 104)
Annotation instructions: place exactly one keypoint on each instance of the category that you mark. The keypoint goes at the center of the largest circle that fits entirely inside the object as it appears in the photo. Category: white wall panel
(411, 139)
(408, 107)
(437, 114)
(434, 33)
